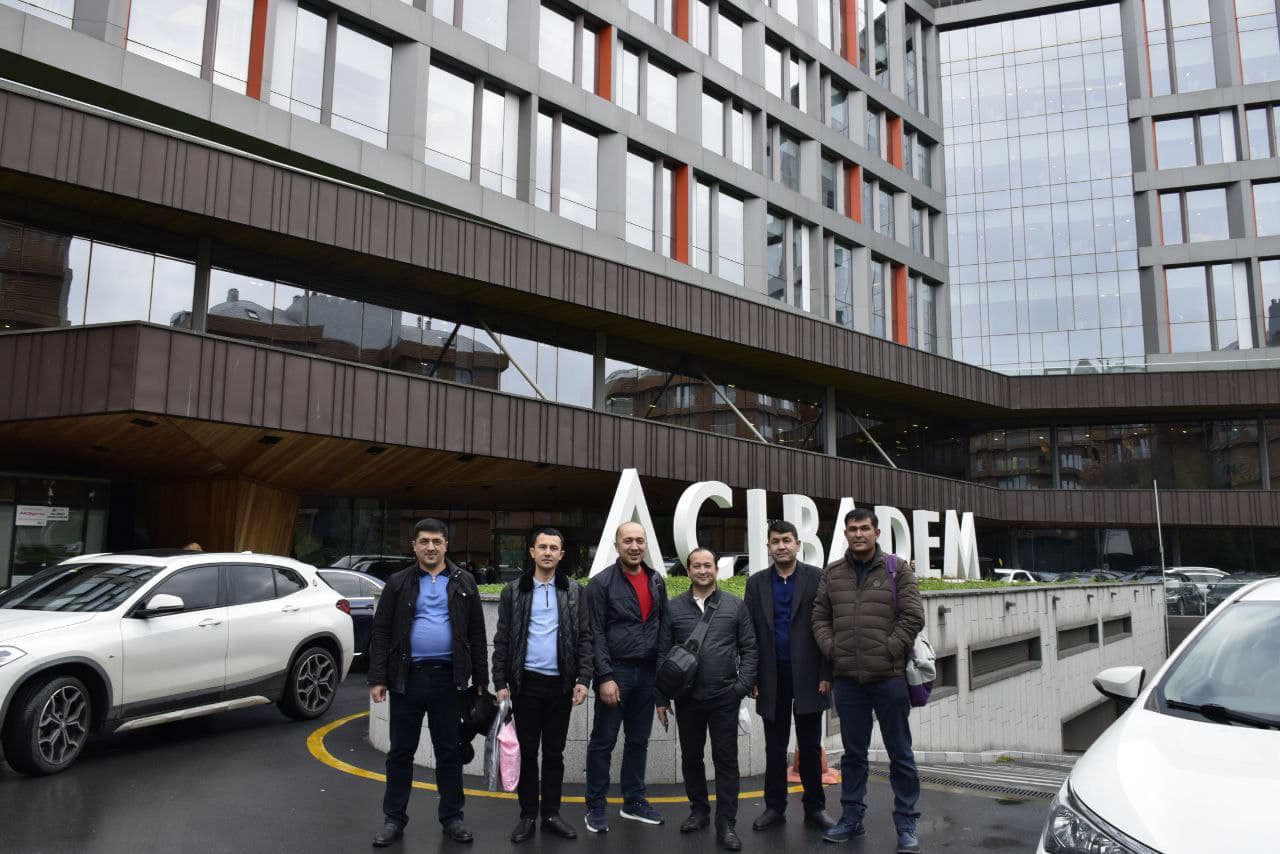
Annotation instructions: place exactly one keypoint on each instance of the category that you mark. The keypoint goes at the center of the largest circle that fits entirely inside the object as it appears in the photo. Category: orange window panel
(900, 332)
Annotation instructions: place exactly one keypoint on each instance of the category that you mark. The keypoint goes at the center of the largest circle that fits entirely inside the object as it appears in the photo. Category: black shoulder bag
(676, 675)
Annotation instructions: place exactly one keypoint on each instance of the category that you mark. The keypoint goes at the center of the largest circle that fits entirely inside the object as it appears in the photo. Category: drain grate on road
(1025, 782)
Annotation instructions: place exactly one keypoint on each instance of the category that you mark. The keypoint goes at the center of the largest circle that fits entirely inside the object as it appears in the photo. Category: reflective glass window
(639, 201)
(701, 26)
(789, 161)
(231, 52)
(450, 104)
(661, 93)
(499, 141)
(297, 80)
(542, 171)
(169, 31)
(361, 86)
(712, 124)
(578, 181)
(629, 84)
(1176, 142)
(775, 256)
(729, 43)
(1259, 44)
(773, 70)
(555, 43)
(830, 173)
(740, 136)
(729, 238)
(60, 12)
(702, 226)
(1266, 208)
(1207, 215)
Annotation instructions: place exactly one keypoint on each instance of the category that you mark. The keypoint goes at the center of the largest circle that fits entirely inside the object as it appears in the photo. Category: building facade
(288, 276)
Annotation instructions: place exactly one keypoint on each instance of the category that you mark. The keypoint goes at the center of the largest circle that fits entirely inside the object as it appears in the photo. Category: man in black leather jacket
(542, 660)
(428, 643)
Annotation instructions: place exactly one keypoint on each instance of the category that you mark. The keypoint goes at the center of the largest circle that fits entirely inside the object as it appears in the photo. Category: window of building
(1180, 46)
(884, 213)
(788, 9)
(874, 57)
(1208, 308)
(452, 130)
(359, 77)
(776, 255)
(797, 74)
(726, 129)
(879, 284)
(841, 285)
(920, 238)
(1270, 270)
(1262, 123)
(60, 12)
(876, 136)
(639, 74)
(717, 34)
(1259, 41)
(569, 191)
(787, 261)
(567, 47)
(1191, 140)
(169, 31)
(1266, 208)
(828, 21)
(830, 183)
(1192, 216)
(650, 200)
(838, 112)
(718, 235)
(484, 19)
(921, 158)
(922, 314)
(788, 160)
(913, 68)
(774, 71)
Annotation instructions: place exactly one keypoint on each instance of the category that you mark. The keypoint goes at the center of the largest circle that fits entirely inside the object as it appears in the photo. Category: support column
(526, 148)
(407, 124)
(689, 107)
(830, 426)
(896, 35)
(754, 212)
(611, 185)
(522, 31)
(200, 296)
(105, 20)
(599, 373)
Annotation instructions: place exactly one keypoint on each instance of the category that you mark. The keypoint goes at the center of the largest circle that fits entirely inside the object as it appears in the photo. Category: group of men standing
(799, 639)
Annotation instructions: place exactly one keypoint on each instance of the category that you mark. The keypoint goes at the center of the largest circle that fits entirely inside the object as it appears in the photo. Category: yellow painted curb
(315, 744)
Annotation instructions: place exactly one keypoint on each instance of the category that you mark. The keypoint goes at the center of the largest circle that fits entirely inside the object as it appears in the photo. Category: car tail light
(344, 606)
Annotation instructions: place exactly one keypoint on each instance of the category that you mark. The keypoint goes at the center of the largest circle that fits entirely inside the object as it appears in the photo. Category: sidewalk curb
(955, 757)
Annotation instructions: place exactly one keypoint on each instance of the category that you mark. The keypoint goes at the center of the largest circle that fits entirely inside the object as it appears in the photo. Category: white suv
(121, 641)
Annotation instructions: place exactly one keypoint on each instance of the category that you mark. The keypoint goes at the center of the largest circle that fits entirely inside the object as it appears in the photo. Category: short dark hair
(861, 514)
(715, 558)
(782, 526)
(430, 526)
(545, 530)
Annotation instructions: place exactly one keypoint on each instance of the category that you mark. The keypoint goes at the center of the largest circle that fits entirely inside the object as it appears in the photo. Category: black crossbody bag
(676, 675)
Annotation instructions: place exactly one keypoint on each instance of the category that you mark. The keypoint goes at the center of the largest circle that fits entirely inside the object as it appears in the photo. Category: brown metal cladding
(147, 369)
(92, 153)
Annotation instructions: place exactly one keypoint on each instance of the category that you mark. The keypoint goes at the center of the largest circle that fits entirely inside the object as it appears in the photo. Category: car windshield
(78, 587)
(1233, 665)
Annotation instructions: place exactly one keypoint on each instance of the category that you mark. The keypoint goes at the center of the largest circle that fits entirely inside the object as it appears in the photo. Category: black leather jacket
(389, 655)
(574, 652)
(617, 631)
(727, 660)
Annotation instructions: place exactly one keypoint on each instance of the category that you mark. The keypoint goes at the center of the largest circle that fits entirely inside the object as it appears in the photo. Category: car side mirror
(1122, 684)
(162, 603)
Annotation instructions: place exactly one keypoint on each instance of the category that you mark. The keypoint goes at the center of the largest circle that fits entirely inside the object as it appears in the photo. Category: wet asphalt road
(246, 782)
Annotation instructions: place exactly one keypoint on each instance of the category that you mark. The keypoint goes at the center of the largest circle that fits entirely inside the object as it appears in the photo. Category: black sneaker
(641, 811)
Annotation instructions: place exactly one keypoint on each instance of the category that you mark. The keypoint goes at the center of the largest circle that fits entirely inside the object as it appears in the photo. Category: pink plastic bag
(509, 756)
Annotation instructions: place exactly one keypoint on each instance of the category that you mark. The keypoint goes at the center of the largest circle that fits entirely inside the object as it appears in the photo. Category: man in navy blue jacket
(627, 604)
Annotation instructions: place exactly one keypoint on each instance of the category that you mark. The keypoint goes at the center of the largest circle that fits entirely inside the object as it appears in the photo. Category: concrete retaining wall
(1020, 711)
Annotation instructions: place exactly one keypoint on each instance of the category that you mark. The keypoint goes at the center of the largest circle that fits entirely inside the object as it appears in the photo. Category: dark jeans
(777, 736)
(430, 691)
(638, 694)
(542, 717)
(855, 701)
(694, 720)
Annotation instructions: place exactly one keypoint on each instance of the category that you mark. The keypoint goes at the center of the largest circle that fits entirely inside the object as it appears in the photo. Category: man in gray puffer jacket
(726, 673)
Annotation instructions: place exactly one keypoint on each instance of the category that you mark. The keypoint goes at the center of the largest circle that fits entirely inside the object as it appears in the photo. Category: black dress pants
(695, 719)
(429, 691)
(542, 710)
(777, 736)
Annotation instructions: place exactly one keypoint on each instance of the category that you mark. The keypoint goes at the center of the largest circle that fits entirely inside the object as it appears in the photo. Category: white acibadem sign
(906, 539)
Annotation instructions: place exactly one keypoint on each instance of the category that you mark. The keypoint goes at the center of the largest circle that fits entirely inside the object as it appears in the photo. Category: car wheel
(48, 726)
(312, 684)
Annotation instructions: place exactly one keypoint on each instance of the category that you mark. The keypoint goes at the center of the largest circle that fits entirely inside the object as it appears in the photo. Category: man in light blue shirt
(542, 662)
(431, 638)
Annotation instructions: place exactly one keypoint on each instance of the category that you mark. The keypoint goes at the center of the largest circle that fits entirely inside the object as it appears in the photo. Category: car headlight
(9, 653)
(1073, 829)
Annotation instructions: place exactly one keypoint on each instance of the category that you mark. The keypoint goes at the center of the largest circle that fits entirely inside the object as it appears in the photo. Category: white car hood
(16, 623)
(1184, 786)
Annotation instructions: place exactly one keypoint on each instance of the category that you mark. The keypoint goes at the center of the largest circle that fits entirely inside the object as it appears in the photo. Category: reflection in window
(1261, 127)
(1270, 270)
(1188, 140)
(789, 161)
(775, 256)
(879, 282)
(702, 226)
(577, 182)
(1057, 139)
(773, 73)
(556, 44)
(1266, 208)
(1193, 216)
(842, 284)
(1180, 46)
(640, 205)
(1259, 43)
(729, 238)
(450, 101)
(231, 51)
(58, 12)
(169, 31)
(499, 142)
(53, 280)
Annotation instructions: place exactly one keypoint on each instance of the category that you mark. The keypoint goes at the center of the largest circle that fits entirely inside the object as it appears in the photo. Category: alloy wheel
(63, 725)
(316, 683)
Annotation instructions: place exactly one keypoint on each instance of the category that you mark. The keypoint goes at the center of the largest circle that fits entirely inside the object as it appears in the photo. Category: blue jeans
(855, 701)
(638, 693)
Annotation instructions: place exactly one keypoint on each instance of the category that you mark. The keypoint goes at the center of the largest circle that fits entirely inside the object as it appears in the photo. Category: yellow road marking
(316, 745)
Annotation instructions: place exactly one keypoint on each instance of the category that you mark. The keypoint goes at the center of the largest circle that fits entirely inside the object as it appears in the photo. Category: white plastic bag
(744, 720)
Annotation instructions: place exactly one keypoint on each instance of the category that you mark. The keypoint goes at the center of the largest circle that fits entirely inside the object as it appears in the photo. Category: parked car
(1014, 575)
(1203, 577)
(1182, 597)
(1219, 591)
(1189, 767)
(362, 591)
(379, 566)
(122, 641)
